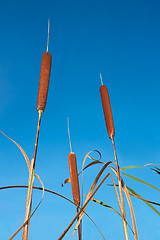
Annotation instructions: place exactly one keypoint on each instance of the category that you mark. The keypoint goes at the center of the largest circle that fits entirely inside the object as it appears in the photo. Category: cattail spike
(41, 104)
(44, 81)
(74, 178)
(107, 111)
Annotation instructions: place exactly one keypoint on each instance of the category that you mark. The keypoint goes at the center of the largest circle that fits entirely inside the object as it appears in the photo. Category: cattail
(44, 81)
(107, 111)
(41, 104)
(74, 177)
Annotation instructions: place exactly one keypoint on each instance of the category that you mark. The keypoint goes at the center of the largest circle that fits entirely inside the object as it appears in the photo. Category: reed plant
(109, 169)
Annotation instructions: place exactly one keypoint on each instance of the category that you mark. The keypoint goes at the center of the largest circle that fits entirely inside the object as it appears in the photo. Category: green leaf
(128, 167)
(105, 205)
(141, 181)
(108, 206)
(136, 166)
(149, 205)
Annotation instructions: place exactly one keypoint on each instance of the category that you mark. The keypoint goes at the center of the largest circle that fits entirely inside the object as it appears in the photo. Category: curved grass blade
(21, 149)
(55, 193)
(91, 164)
(132, 211)
(82, 209)
(120, 191)
(96, 179)
(88, 156)
(141, 181)
(105, 205)
(109, 207)
(134, 195)
(144, 200)
(26, 222)
(96, 152)
(136, 166)
(130, 205)
(129, 167)
(91, 192)
(95, 161)
(68, 180)
(156, 170)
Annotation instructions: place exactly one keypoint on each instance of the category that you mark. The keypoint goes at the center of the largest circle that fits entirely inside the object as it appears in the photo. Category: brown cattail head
(107, 111)
(74, 177)
(44, 81)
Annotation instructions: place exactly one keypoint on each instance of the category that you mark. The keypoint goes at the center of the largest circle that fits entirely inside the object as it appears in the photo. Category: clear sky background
(121, 40)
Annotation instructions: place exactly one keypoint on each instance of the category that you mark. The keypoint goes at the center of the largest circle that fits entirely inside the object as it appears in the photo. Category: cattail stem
(28, 202)
(30, 184)
(79, 228)
(121, 192)
(37, 137)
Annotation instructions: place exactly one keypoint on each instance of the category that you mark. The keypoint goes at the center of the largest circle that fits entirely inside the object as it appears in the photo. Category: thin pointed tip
(48, 23)
(48, 34)
(69, 135)
(101, 78)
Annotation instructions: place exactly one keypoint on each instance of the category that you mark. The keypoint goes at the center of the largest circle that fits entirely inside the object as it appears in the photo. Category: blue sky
(120, 39)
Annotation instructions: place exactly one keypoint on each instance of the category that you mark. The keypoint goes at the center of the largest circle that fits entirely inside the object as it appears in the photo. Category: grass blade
(82, 210)
(27, 220)
(105, 205)
(141, 181)
(94, 160)
(21, 149)
(144, 200)
(132, 212)
(91, 192)
(156, 170)
(130, 205)
(129, 167)
(109, 207)
(136, 166)
(54, 193)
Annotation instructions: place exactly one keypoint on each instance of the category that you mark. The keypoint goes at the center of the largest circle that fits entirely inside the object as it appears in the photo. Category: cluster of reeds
(112, 166)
